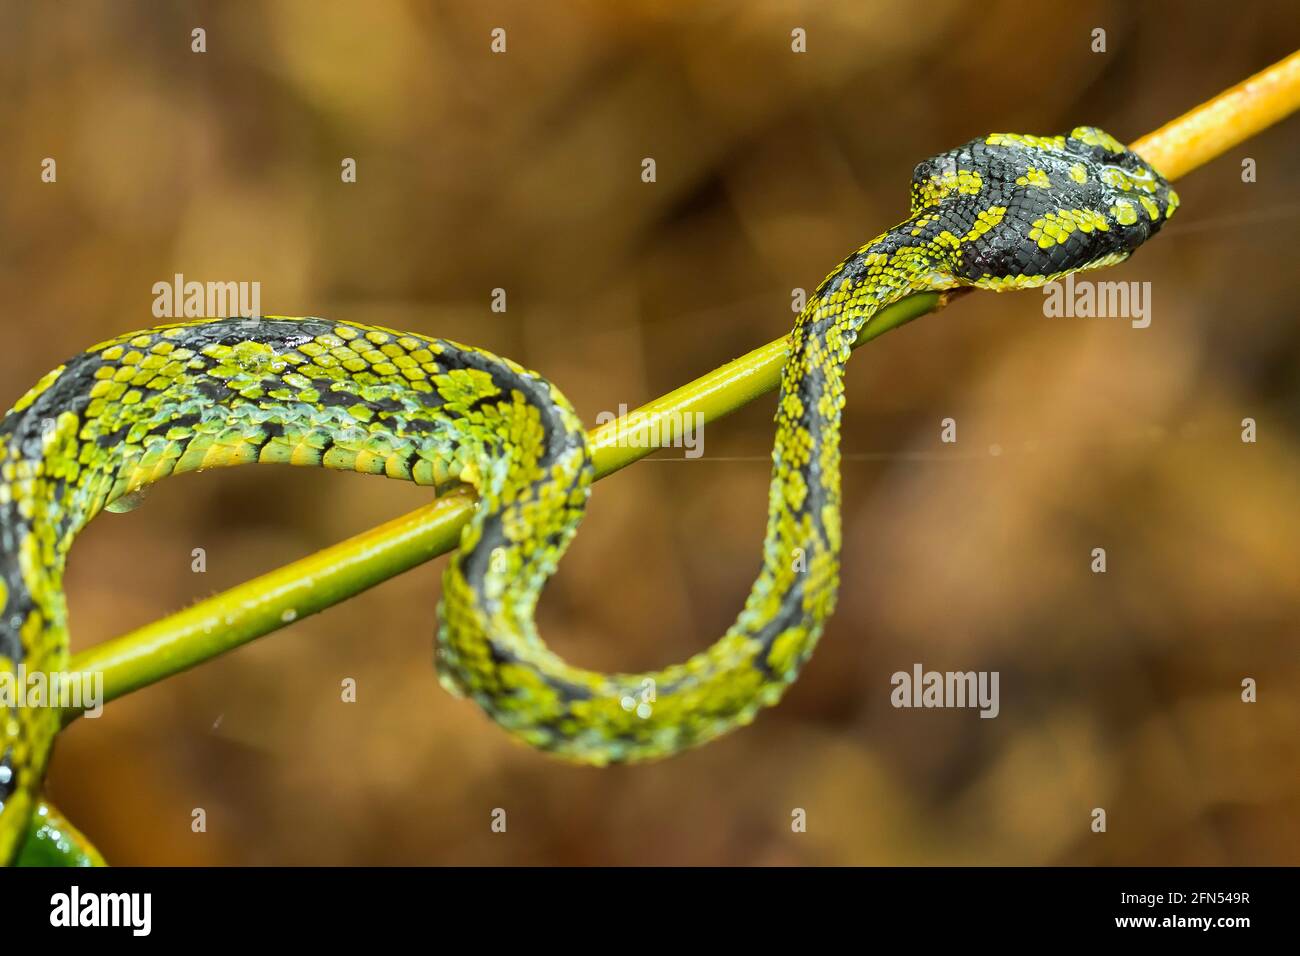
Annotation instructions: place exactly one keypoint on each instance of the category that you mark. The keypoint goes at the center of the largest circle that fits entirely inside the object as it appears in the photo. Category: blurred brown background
(522, 171)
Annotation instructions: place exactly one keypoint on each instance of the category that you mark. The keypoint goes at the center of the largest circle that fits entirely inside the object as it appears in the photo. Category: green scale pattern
(1006, 211)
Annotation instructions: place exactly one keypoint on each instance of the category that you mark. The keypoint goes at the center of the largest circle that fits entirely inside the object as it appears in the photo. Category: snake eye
(1089, 142)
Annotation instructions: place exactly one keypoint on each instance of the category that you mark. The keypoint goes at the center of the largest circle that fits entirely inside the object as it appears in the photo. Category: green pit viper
(1002, 212)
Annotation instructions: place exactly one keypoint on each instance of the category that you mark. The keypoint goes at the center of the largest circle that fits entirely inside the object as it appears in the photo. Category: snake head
(1015, 210)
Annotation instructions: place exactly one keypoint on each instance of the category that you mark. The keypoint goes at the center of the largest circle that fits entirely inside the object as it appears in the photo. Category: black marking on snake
(1002, 212)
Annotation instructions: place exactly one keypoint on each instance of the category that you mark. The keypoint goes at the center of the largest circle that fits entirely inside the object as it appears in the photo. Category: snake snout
(1098, 146)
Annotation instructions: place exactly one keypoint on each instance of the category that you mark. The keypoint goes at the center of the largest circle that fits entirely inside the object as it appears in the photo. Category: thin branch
(1217, 125)
(269, 602)
(328, 577)
(53, 841)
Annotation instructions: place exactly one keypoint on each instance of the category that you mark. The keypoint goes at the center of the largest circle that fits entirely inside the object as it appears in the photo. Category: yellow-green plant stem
(304, 587)
(53, 841)
(327, 577)
(1217, 125)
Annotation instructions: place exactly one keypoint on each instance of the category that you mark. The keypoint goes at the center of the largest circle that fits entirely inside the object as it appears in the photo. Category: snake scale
(1005, 211)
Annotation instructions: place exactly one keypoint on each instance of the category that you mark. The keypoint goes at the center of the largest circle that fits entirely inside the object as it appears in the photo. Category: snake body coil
(1002, 212)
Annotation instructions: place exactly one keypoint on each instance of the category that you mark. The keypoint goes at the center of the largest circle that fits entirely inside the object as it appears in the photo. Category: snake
(1002, 212)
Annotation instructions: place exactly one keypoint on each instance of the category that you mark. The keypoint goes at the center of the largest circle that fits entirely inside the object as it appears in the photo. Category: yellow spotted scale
(1002, 212)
